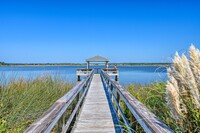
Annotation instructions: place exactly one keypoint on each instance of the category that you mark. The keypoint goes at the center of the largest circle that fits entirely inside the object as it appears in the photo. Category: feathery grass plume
(172, 96)
(178, 69)
(182, 90)
(178, 72)
(195, 63)
(191, 83)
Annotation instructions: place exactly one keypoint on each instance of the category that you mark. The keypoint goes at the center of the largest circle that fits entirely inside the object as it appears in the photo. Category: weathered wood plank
(95, 115)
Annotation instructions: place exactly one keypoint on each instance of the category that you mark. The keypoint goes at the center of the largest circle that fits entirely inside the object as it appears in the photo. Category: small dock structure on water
(97, 104)
(97, 59)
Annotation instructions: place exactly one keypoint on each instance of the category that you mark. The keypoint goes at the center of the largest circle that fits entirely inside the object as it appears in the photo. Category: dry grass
(183, 90)
(177, 102)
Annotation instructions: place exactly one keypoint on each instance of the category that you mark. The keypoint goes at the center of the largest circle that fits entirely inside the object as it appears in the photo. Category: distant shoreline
(83, 64)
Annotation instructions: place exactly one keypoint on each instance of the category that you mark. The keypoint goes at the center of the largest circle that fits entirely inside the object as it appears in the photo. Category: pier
(94, 105)
(95, 116)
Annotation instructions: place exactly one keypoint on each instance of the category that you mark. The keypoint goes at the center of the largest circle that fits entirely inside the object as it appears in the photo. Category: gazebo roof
(97, 59)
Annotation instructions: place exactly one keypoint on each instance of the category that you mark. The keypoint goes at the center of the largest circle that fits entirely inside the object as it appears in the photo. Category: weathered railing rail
(147, 120)
(83, 72)
(111, 71)
(55, 115)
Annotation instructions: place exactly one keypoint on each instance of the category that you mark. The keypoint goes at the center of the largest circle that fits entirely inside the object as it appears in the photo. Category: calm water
(127, 74)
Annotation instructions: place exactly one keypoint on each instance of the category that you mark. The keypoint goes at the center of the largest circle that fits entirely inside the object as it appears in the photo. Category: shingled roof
(97, 59)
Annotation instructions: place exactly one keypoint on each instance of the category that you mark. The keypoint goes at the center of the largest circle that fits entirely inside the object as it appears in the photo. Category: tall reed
(23, 101)
(183, 90)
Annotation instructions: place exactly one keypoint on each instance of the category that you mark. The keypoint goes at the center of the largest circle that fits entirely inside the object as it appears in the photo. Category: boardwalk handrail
(111, 70)
(54, 114)
(147, 120)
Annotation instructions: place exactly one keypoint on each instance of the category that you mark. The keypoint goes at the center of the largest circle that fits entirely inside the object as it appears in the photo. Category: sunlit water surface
(127, 74)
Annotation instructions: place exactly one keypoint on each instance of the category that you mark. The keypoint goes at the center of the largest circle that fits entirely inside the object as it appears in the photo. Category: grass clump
(177, 102)
(153, 97)
(23, 101)
(183, 90)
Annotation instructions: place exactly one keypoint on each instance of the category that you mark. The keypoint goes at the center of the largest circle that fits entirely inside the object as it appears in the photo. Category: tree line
(2, 63)
(83, 64)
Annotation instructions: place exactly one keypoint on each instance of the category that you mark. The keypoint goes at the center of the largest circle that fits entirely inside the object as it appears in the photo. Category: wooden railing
(83, 72)
(147, 120)
(111, 71)
(57, 117)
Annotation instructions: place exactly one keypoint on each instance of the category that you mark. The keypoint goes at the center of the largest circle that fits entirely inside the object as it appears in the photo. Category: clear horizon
(72, 31)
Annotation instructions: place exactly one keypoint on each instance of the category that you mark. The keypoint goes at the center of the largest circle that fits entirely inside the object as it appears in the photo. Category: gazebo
(96, 59)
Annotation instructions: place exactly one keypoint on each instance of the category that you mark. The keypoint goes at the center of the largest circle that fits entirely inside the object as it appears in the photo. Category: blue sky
(71, 31)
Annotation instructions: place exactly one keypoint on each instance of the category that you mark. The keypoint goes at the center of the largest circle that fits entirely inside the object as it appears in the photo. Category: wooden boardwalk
(100, 109)
(95, 115)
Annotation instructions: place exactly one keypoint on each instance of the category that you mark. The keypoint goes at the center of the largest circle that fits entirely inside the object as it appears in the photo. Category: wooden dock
(95, 107)
(95, 115)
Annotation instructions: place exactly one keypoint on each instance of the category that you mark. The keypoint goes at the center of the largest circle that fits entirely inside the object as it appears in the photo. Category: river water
(127, 74)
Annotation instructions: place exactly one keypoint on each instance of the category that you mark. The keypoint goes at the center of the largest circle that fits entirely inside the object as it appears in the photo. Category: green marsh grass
(23, 101)
(176, 102)
(153, 97)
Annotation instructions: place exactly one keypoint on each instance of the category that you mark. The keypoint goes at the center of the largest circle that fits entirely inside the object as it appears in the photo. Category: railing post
(61, 123)
(111, 87)
(116, 78)
(132, 121)
(77, 99)
(78, 78)
(108, 84)
(118, 102)
(111, 90)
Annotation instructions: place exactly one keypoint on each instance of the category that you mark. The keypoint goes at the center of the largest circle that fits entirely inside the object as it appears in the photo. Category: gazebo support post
(106, 64)
(78, 78)
(88, 64)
